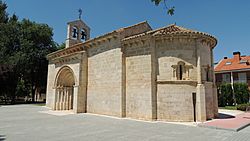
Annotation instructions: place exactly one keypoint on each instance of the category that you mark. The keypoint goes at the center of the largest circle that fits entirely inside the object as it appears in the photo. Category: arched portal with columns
(64, 84)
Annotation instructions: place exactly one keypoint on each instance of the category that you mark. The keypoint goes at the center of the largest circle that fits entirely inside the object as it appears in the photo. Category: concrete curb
(227, 129)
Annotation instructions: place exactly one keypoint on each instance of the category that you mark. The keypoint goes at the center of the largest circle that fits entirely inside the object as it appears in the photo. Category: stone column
(200, 89)
(64, 98)
(174, 77)
(55, 99)
(70, 98)
(61, 99)
(67, 98)
(58, 98)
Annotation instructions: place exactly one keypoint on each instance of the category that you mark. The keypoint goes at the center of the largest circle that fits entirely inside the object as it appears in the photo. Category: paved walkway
(234, 123)
(36, 123)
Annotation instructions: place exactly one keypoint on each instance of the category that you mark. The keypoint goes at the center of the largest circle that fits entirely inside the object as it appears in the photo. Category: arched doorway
(64, 89)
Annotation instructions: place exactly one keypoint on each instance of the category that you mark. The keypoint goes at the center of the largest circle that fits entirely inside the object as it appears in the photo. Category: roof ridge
(171, 30)
(134, 25)
(172, 25)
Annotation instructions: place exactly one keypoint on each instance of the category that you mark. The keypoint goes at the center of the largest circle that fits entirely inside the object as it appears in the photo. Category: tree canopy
(24, 45)
(170, 10)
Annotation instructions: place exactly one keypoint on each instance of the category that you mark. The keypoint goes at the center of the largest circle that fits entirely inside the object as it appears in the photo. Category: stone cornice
(209, 40)
(77, 56)
(188, 82)
(66, 51)
(101, 39)
(82, 46)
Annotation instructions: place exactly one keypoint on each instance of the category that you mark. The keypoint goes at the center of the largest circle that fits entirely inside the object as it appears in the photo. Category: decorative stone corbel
(187, 68)
(174, 72)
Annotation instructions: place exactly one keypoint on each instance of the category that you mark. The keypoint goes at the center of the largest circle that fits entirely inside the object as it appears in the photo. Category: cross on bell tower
(80, 13)
(77, 32)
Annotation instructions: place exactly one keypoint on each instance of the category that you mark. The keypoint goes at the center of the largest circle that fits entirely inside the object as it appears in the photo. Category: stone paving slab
(57, 113)
(28, 123)
(235, 123)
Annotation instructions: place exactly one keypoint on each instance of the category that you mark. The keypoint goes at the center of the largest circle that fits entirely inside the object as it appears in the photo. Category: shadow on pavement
(2, 138)
(225, 116)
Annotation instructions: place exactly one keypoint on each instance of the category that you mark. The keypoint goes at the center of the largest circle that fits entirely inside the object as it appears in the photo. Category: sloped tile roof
(171, 30)
(174, 29)
(231, 64)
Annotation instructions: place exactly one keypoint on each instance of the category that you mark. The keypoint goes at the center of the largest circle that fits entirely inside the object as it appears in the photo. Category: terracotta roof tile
(171, 30)
(233, 64)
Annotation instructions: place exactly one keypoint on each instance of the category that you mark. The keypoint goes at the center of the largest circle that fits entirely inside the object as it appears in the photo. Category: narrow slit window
(180, 72)
(207, 71)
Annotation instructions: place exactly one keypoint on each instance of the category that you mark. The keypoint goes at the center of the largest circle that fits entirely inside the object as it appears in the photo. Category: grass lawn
(229, 107)
(40, 104)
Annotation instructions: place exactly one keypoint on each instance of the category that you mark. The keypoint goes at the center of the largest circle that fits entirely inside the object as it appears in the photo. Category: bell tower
(78, 32)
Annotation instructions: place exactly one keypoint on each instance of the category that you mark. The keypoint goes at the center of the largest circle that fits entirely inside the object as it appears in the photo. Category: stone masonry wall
(105, 78)
(174, 99)
(169, 53)
(138, 82)
(174, 102)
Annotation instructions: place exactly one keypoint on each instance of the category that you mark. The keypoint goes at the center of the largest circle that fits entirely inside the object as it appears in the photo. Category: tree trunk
(33, 92)
(5, 99)
(13, 96)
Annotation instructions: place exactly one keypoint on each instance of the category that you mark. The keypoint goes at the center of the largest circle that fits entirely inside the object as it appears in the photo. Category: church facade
(135, 72)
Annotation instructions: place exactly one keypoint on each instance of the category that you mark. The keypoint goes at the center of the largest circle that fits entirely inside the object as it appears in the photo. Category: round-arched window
(83, 35)
(75, 33)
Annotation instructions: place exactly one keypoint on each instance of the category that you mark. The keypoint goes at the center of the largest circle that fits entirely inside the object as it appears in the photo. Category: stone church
(135, 72)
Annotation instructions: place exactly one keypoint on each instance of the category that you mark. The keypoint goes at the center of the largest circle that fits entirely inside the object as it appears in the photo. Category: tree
(24, 45)
(170, 10)
(3, 13)
(61, 46)
(9, 31)
(36, 42)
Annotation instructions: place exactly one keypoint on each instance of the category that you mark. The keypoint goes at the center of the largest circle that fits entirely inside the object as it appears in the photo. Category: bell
(74, 33)
(83, 35)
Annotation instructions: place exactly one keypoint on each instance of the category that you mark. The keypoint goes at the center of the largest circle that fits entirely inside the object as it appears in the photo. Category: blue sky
(227, 20)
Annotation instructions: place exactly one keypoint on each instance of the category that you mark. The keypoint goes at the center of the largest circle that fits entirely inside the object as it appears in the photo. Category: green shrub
(241, 92)
(225, 95)
(243, 107)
